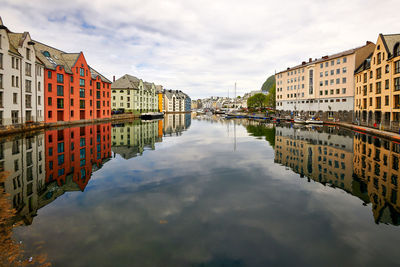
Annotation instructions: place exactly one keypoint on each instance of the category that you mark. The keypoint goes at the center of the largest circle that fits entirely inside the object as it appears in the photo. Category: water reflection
(362, 165)
(376, 163)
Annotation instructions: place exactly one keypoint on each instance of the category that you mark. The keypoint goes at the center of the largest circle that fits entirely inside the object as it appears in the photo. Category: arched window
(396, 51)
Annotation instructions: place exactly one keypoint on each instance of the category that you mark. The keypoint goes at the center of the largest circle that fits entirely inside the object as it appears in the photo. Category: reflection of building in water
(22, 162)
(176, 123)
(324, 156)
(42, 167)
(131, 139)
(73, 153)
(376, 162)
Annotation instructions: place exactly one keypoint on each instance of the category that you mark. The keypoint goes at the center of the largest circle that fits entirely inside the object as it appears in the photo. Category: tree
(271, 97)
(257, 101)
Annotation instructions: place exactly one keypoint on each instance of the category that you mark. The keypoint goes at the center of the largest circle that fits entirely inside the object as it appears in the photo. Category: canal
(202, 191)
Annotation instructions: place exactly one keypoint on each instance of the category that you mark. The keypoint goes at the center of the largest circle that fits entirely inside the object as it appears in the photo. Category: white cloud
(201, 47)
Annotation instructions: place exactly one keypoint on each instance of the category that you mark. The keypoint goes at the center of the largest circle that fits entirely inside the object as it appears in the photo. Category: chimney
(368, 42)
(303, 63)
(310, 60)
(114, 78)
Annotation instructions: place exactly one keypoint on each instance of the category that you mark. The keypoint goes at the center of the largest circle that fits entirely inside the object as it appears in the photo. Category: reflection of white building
(176, 123)
(22, 162)
(131, 139)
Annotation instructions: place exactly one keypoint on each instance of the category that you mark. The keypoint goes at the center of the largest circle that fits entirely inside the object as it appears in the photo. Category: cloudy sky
(201, 47)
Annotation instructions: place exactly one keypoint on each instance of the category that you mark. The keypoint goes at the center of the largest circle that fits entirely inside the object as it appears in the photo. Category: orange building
(76, 152)
(73, 90)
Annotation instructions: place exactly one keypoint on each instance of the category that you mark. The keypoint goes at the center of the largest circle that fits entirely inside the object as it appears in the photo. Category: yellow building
(377, 85)
(376, 163)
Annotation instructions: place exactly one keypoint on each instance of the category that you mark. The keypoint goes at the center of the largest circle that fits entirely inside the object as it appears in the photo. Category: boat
(314, 121)
(299, 120)
(151, 115)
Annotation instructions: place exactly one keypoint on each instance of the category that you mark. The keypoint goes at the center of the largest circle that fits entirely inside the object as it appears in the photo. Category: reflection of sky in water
(194, 201)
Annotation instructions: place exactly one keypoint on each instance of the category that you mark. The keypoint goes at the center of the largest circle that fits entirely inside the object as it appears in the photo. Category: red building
(73, 90)
(76, 152)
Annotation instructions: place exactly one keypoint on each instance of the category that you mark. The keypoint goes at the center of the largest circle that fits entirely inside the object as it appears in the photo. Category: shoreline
(25, 129)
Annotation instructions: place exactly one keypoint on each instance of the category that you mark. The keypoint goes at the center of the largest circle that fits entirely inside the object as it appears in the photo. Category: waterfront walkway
(385, 134)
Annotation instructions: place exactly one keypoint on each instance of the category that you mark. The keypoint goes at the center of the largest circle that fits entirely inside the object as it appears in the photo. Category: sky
(201, 47)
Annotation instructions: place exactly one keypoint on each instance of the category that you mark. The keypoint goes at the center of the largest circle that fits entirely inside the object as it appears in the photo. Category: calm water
(205, 192)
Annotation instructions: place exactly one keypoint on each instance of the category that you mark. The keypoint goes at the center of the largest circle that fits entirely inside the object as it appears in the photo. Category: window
(50, 114)
(397, 67)
(344, 60)
(28, 86)
(337, 71)
(343, 90)
(28, 69)
(15, 98)
(1, 81)
(49, 74)
(14, 116)
(397, 84)
(378, 73)
(60, 90)
(60, 78)
(387, 100)
(81, 82)
(81, 92)
(49, 87)
(82, 153)
(1, 61)
(28, 101)
(386, 84)
(60, 147)
(378, 88)
(1, 99)
(338, 80)
(82, 103)
(60, 103)
(49, 101)
(82, 72)
(344, 80)
(60, 159)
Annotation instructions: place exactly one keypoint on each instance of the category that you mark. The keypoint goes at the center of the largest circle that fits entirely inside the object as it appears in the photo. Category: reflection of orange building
(160, 130)
(376, 162)
(76, 152)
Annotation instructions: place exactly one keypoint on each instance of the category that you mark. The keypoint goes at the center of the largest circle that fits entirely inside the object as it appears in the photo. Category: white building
(174, 101)
(21, 79)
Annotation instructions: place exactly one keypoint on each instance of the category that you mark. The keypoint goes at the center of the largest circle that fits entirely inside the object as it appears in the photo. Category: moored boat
(314, 121)
(151, 115)
(299, 120)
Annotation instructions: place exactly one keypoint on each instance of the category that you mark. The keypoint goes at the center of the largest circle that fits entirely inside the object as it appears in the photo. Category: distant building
(176, 101)
(159, 92)
(321, 88)
(132, 94)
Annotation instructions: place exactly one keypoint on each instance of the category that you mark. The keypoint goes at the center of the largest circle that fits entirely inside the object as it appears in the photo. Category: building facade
(377, 88)
(21, 79)
(72, 91)
(176, 101)
(322, 88)
(133, 95)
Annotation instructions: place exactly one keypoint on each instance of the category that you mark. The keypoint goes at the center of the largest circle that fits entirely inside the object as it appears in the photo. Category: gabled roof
(159, 88)
(126, 82)
(96, 73)
(389, 41)
(55, 57)
(148, 85)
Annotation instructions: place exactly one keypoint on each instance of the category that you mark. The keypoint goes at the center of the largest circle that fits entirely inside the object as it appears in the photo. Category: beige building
(377, 85)
(323, 87)
(21, 79)
(129, 93)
